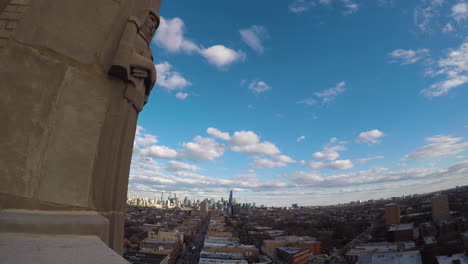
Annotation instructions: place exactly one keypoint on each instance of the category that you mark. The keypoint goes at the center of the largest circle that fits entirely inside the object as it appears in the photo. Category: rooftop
(291, 250)
(449, 260)
(401, 227)
(220, 261)
(409, 257)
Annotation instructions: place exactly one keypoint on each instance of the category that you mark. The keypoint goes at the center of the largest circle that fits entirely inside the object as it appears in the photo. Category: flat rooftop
(220, 261)
(449, 260)
(381, 247)
(401, 227)
(409, 257)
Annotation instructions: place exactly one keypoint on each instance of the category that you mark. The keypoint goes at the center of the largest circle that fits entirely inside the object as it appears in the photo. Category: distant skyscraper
(440, 208)
(230, 208)
(392, 214)
(205, 206)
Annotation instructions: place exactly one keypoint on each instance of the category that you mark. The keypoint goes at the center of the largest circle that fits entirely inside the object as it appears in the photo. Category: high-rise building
(205, 206)
(440, 208)
(392, 214)
(230, 207)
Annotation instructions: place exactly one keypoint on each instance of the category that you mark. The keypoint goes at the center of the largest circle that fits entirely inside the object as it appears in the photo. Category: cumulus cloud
(329, 153)
(202, 148)
(218, 134)
(180, 166)
(170, 36)
(277, 161)
(316, 165)
(340, 165)
(181, 96)
(370, 137)
(222, 56)
(299, 139)
(448, 28)
(365, 160)
(249, 142)
(454, 67)
(168, 79)
(160, 152)
(408, 56)
(254, 36)
(300, 6)
(350, 7)
(143, 139)
(329, 95)
(439, 146)
(259, 87)
(460, 11)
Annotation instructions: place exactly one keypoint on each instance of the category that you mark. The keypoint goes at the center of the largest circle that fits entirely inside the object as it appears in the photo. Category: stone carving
(10, 13)
(133, 61)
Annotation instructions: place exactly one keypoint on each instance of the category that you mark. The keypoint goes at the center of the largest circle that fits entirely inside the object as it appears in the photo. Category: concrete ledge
(84, 223)
(63, 249)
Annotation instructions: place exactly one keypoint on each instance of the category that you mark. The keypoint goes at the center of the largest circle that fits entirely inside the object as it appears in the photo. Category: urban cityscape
(420, 228)
(234, 132)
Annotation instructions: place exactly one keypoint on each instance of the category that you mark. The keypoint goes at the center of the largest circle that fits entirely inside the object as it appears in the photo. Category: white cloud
(202, 149)
(254, 36)
(370, 137)
(409, 56)
(160, 152)
(285, 159)
(329, 153)
(308, 102)
(460, 11)
(181, 96)
(424, 14)
(316, 165)
(365, 160)
(170, 36)
(259, 86)
(340, 165)
(144, 139)
(218, 134)
(455, 69)
(299, 139)
(440, 146)
(350, 6)
(329, 95)
(168, 79)
(221, 56)
(180, 166)
(300, 6)
(278, 161)
(448, 28)
(249, 142)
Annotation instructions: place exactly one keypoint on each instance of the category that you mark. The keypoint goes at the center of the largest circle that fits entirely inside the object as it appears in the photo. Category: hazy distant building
(440, 208)
(205, 206)
(392, 214)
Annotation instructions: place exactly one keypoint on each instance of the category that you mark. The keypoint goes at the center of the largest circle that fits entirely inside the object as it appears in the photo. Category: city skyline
(312, 102)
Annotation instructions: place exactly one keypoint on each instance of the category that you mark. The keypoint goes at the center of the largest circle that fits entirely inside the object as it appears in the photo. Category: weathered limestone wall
(67, 132)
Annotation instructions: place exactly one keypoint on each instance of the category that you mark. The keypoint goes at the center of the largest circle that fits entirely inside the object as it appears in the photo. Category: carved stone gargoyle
(133, 61)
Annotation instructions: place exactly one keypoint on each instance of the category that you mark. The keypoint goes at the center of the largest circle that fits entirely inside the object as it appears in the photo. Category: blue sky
(310, 102)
